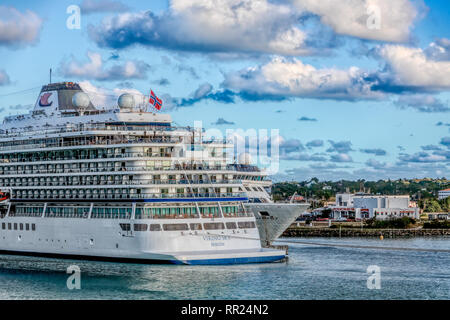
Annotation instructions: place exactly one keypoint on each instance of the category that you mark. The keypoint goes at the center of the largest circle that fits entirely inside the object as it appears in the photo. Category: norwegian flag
(155, 101)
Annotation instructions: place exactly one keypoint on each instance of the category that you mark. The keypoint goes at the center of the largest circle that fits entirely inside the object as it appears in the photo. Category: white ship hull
(104, 240)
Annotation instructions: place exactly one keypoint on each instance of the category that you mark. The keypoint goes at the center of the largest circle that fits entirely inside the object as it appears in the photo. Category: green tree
(433, 206)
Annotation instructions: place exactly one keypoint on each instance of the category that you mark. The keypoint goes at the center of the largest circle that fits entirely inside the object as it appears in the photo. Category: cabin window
(33, 227)
(9, 226)
(140, 227)
(214, 226)
(21, 226)
(231, 225)
(27, 226)
(15, 226)
(175, 227)
(155, 227)
(246, 225)
(3, 226)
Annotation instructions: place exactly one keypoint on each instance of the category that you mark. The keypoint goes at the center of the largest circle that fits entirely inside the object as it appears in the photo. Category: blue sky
(374, 98)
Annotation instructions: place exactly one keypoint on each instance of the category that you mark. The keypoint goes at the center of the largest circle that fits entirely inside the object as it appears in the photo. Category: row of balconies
(83, 194)
(113, 169)
(76, 182)
(86, 157)
(92, 157)
(30, 144)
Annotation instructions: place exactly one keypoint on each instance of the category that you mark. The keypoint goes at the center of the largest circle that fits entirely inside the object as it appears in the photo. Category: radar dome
(80, 100)
(245, 158)
(126, 100)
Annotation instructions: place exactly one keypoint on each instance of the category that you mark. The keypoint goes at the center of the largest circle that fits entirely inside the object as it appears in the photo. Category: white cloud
(293, 78)
(411, 67)
(256, 25)
(4, 78)
(350, 17)
(103, 98)
(95, 69)
(422, 157)
(439, 49)
(18, 29)
(422, 103)
(341, 157)
(212, 26)
(377, 164)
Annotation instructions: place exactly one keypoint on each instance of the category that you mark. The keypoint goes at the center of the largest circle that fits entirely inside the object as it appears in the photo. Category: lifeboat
(4, 196)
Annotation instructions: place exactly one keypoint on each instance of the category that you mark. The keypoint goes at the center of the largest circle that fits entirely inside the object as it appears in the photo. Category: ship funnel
(63, 97)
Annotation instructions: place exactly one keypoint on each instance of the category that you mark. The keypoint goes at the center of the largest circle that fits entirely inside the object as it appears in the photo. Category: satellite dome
(126, 100)
(245, 158)
(80, 100)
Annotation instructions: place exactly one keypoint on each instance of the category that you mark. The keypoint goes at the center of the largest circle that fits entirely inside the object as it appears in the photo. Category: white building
(344, 199)
(386, 207)
(442, 194)
(361, 206)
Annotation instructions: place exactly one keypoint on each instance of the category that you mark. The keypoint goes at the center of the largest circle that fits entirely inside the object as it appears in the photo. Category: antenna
(50, 75)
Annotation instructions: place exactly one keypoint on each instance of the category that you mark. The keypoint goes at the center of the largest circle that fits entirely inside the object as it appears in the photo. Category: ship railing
(100, 182)
(114, 196)
(86, 143)
(111, 169)
(89, 157)
(88, 127)
(151, 129)
(175, 167)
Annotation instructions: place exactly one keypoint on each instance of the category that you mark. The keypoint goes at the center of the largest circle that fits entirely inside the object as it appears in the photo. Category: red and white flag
(155, 101)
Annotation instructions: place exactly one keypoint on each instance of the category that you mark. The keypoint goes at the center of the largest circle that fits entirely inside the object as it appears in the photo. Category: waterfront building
(344, 199)
(363, 206)
(442, 194)
(385, 207)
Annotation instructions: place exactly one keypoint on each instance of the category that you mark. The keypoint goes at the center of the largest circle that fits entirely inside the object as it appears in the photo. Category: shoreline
(292, 232)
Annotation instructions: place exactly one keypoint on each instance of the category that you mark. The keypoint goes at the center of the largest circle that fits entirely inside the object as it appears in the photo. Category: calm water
(312, 272)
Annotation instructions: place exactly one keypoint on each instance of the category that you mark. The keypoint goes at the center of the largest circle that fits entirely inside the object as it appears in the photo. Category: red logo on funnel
(43, 102)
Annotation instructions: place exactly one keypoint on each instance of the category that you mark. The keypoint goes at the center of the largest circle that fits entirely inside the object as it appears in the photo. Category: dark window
(196, 226)
(155, 227)
(9, 226)
(21, 226)
(27, 226)
(246, 225)
(33, 227)
(15, 226)
(231, 225)
(264, 213)
(125, 226)
(175, 227)
(214, 226)
(140, 227)
(3, 226)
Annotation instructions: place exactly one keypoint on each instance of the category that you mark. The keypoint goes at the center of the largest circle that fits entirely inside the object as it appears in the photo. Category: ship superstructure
(122, 184)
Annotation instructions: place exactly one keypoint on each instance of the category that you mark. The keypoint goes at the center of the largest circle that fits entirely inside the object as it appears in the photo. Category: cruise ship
(123, 184)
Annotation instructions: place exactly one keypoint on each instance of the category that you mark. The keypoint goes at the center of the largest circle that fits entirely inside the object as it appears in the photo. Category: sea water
(312, 272)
